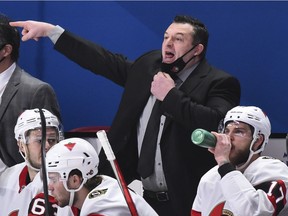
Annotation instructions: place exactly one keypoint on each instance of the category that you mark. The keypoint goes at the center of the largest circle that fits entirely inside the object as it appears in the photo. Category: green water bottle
(203, 138)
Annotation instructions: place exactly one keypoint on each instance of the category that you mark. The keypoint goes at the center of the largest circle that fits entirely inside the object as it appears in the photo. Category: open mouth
(169, 56)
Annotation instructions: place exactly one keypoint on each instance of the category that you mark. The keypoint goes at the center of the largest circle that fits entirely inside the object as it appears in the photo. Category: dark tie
(148, 149)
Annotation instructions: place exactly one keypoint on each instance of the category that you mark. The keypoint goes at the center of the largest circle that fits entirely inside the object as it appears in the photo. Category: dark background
(247, 39)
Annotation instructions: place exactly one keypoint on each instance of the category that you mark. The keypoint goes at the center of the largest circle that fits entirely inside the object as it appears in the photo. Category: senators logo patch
(219, 210)
(96, 193)
(267, 157)
(227, 213)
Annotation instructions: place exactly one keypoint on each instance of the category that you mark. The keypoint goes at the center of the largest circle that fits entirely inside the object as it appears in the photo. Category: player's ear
(20, 145)
(74, 181)
(259, 141)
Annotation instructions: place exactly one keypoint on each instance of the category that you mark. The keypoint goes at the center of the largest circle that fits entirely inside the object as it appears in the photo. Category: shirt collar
(5, 75)
(183, 75)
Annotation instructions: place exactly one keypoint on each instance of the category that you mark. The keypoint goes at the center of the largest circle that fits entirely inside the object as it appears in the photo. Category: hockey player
(21, 188)
(72, 167)
(244, 183)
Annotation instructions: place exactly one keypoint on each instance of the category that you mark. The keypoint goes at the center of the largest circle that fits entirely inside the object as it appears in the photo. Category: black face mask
(2, 59)
(175, 67)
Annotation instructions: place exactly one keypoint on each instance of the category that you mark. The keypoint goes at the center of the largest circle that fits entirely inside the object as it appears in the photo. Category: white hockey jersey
(107, 199)
(19, 198)
(262, 190)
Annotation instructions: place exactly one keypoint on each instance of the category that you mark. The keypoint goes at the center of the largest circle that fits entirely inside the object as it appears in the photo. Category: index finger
(164, 74)
(17, 24)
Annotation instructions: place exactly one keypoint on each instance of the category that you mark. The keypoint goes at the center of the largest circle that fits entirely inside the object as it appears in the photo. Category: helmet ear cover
(72, 176)
(260, 141)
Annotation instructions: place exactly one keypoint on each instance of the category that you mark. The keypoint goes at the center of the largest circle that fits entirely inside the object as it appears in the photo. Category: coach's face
(177, 41)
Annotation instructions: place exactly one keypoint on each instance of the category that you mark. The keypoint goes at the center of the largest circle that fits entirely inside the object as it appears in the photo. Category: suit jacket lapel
(195, 77)
(134, 98)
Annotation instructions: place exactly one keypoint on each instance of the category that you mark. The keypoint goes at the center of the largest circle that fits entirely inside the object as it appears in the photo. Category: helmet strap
(244, 166)
(71, 198)
(27, 161)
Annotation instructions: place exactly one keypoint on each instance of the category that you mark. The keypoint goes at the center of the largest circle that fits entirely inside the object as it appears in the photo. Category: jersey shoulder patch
(97, 193)
(267, 157)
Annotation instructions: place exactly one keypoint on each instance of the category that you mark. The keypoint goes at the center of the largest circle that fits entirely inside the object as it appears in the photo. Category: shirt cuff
(55, 33)
(226, 168)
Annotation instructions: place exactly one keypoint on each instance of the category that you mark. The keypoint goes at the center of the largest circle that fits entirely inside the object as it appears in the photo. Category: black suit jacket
(201, 102)
(22, 92)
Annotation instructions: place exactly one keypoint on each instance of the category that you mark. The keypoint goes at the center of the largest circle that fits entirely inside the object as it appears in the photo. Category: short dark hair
(91, 183)
(200, 34)
(9, 35)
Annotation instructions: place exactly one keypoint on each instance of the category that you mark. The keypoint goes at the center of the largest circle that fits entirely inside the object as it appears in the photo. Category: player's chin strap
(71, 198)
(72, 191)
(43, 161)
(27, 161)
(244, 166)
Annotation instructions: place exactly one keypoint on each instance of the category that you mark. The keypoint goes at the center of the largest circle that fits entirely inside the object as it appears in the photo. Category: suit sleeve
(96, 59)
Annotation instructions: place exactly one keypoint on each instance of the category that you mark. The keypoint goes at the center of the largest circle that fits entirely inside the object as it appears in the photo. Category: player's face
(33, 147)
(177, 41)
(57, 189)
(241, 137)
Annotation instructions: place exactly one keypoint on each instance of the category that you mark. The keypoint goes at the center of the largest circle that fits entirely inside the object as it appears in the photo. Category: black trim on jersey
(276, 192)
(226, 168)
